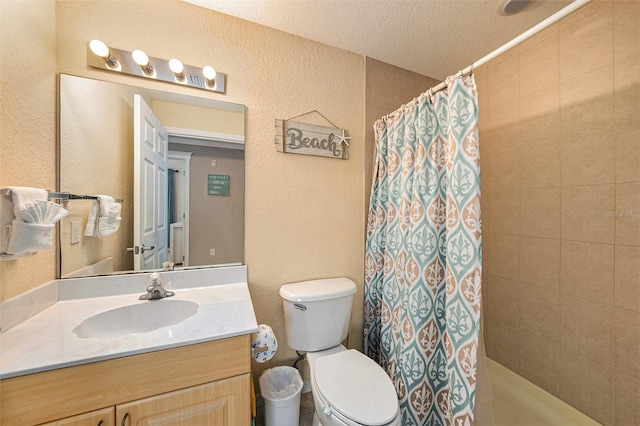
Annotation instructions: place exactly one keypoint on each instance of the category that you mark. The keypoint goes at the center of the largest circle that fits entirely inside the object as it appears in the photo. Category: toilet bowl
(348, 387)
(351, 389)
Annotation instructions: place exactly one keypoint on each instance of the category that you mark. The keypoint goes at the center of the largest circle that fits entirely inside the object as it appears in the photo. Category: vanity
(181, 359)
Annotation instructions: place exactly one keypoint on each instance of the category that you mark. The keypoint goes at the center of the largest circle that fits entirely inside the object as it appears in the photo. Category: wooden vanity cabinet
(205, 384)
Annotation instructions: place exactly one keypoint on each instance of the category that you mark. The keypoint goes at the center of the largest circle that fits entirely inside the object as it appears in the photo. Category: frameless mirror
(174, 166)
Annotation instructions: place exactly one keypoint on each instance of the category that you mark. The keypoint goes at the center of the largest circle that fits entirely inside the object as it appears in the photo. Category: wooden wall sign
(293, 137)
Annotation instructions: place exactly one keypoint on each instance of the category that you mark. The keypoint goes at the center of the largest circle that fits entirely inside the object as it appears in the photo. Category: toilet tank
(317, 313)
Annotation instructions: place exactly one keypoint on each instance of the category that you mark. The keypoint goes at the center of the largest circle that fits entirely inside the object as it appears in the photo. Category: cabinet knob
(101, 423)
(124, 419)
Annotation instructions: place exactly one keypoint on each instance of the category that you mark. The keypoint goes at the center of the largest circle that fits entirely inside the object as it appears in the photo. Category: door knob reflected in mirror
(140, 249)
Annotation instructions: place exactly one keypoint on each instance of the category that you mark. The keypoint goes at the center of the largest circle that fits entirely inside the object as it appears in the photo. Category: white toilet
(348, 387)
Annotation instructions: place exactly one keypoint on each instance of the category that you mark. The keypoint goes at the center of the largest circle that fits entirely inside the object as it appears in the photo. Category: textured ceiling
(435, 38)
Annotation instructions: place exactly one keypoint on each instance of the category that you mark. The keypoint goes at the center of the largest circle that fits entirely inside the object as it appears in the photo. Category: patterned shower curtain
(423, 255)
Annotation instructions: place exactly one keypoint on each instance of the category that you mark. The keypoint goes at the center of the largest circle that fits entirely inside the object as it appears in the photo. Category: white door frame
(185, 170)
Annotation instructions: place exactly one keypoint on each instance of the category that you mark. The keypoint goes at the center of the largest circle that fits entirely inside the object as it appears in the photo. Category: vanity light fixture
(139, 64)
(141, 58)
(102, 50)
(178, 69)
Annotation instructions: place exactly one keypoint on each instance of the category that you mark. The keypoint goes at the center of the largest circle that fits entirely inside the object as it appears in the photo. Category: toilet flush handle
(300, 306)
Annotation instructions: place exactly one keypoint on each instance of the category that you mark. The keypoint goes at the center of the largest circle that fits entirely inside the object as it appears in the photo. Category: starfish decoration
(343, 138)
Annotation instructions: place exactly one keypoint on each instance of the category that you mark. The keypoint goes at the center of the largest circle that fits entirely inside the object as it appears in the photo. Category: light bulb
(99, 48)
(140, 58)
(209, 73)
(176, 66)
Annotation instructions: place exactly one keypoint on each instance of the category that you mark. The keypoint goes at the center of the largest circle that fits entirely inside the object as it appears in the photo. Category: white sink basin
(141, 317)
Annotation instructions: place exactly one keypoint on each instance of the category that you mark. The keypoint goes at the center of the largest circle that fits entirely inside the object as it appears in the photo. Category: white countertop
(46, 341)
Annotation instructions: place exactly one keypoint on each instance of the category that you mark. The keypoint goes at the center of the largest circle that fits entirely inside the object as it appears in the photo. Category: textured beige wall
(560, 147)
(27, 120)
(195, 117)
(303, 214)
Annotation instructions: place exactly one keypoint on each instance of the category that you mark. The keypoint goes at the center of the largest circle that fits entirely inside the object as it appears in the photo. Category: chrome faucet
(155, 289)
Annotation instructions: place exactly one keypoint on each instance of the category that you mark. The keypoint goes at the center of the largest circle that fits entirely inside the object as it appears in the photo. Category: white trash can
(280, 388)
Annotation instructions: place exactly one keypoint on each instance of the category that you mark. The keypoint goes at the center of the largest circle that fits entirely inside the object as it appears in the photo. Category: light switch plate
(75, 231)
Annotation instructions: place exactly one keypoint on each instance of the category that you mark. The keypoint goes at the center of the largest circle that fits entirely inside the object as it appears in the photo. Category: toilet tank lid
(307, 291)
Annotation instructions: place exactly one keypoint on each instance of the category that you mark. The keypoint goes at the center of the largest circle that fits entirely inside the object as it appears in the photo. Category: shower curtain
(423, 255)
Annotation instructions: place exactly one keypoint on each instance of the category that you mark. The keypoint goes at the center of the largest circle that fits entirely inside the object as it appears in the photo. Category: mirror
(187, 194)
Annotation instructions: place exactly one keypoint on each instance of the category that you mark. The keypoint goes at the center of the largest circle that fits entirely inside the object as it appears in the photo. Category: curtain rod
(577, 4)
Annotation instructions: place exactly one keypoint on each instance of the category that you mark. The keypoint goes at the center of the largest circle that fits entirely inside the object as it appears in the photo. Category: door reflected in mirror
(175, 161)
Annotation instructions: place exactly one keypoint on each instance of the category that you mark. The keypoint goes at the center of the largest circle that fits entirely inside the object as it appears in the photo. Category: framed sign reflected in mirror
(175, 161)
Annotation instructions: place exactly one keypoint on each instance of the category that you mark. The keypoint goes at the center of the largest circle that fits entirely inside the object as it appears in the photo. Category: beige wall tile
(503, 115)
(540, 215)
(539, 312)
(482, 83)
(502, 138)
(538, 361)
(586, 328)
(505, 168)
(587, 385)
(502, 299)
(505, 212)
(587, 271)
(587, 101)
(504, 260)
(627, 87)
(626, 31)
(588, 157)
(586, 39)
(626, 397)
(627, 213)
(382, 84)
(409, 85)
(502, 342)
(626, 343)
(539, 65)
(540, 165)
(584, 210)
(538, 38)
(627, 151)
(627, 278)
(504, 81)
(541, 103)
(540, 262)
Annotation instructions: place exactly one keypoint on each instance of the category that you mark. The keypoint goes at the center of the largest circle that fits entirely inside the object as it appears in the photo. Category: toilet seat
(355, 389)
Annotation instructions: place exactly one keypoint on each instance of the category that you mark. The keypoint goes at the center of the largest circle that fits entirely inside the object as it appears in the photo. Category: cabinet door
(224, 402)
(104, 417)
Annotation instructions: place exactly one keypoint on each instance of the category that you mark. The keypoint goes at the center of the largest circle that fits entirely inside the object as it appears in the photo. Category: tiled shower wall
(560, 158)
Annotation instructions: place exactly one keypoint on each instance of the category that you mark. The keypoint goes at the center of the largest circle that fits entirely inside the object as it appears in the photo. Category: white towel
(22, 195)
(27, 220)
(23, 237)
(104, 217)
